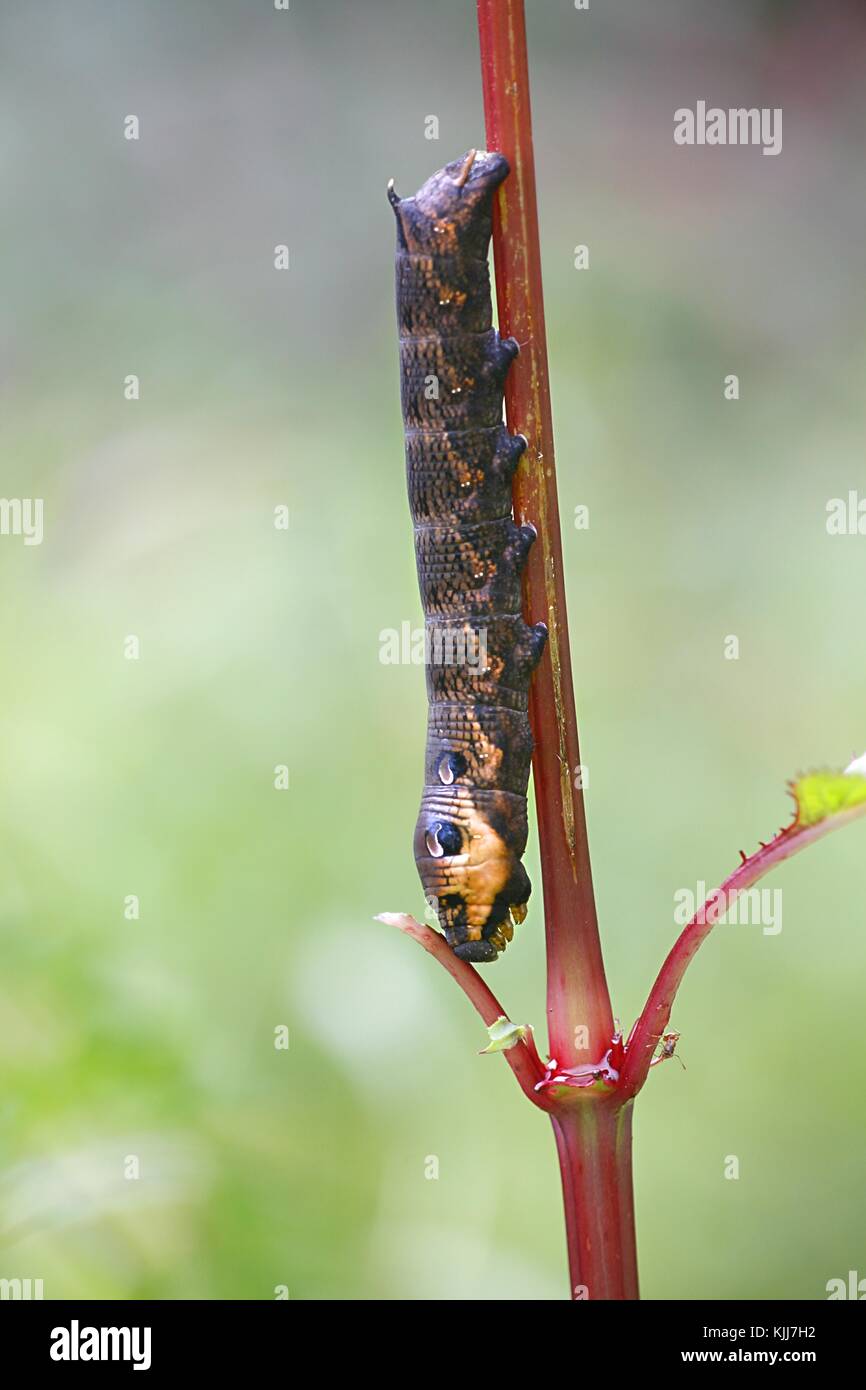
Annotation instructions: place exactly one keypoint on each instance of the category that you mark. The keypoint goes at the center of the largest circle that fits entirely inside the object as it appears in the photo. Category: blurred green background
(154, 1038)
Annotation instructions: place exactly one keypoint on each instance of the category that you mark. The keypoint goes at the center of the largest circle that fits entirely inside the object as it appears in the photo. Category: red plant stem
(523, 1059)
(593, 1142)
(593, 1131)
(577, 994)
(657, 1010)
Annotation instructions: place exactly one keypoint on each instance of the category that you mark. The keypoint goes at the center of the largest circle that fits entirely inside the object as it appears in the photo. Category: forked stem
(589, 1089)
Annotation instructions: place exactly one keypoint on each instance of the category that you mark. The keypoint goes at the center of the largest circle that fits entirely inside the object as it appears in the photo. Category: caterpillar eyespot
(460, 459)
(451, 766)
(433, 845)
(444, 839)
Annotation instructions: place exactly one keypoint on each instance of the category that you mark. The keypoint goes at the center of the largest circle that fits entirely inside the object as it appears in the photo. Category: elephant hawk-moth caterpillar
(460, 459)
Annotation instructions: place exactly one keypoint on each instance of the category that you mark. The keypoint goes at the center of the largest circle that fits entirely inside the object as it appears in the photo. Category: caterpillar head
(473, 877)
(451, 214)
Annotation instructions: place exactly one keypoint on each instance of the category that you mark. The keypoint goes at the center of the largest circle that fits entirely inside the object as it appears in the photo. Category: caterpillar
(460, 459)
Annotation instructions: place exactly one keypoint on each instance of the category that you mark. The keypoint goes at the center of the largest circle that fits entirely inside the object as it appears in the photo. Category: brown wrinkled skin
(471, 830)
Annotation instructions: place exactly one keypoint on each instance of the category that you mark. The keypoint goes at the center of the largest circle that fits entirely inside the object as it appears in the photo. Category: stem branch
(657, 1010)
(523, 1058)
